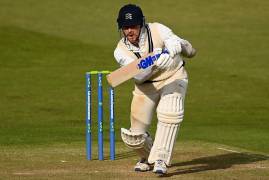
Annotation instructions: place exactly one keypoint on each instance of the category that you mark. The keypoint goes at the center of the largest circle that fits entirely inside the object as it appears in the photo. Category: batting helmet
(130, 15)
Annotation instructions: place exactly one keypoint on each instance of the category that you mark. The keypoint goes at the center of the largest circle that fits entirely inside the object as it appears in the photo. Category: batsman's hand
(173, 46)
(164, 61)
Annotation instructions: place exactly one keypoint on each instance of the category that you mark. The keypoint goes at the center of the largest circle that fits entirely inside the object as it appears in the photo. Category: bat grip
(165, 51)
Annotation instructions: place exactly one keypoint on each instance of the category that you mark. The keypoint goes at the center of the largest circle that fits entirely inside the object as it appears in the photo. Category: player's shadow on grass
(123, 155)
(223, 161)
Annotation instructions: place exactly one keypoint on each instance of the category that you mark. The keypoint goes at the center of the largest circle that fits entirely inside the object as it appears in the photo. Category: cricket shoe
(142, 166)
(160, 167)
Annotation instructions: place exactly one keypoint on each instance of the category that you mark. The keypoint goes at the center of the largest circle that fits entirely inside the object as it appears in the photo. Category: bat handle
(165, 51)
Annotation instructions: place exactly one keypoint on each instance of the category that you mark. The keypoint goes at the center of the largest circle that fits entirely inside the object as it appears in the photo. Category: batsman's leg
(170, 113)
(136, 137)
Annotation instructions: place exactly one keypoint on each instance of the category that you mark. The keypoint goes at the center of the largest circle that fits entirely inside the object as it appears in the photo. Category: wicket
(100, 116)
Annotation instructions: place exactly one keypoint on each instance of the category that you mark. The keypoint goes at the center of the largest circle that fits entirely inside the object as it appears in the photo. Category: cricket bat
(127, 72)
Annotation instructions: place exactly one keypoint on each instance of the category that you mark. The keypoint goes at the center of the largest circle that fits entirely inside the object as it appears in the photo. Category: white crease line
(23, 173)
(265, 155)
(229, 150)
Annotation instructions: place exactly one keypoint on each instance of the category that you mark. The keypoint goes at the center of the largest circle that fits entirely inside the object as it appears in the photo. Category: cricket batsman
(160, 88)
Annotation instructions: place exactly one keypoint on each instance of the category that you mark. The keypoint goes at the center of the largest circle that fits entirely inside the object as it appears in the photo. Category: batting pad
(171, 109)
(164, 142)
(140, 143)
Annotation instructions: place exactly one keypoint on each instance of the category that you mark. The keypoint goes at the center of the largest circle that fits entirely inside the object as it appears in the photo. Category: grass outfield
(46, 48)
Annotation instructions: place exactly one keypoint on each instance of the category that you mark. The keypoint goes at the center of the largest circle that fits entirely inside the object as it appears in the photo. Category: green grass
(193, 160)
(46, 48)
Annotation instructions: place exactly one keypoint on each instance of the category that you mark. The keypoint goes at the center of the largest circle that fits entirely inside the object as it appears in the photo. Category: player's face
(132, 33)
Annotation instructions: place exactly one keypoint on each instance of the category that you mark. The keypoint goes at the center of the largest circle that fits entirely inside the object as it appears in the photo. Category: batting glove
(164, 61)
(173, 46)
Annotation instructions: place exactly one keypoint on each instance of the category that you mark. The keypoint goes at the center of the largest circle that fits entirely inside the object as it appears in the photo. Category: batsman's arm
(187, 49)
(172, 41)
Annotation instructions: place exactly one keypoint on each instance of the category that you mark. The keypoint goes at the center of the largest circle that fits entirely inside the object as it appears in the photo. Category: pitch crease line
(229, 150)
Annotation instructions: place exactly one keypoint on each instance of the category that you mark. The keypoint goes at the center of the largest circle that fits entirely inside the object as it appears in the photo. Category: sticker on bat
(149, 61)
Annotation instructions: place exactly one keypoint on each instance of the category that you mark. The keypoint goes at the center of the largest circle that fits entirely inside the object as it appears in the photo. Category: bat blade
(127, 72)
